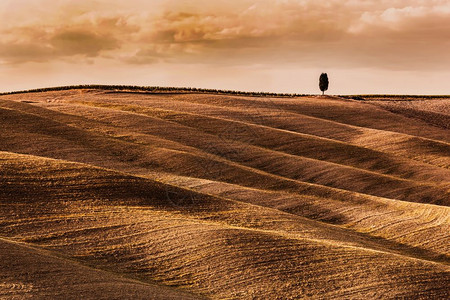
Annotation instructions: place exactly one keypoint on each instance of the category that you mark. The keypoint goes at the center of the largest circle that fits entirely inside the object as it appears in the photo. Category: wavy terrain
(170, 195)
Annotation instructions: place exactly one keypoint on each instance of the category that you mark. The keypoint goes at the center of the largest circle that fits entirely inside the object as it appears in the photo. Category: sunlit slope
(28, 272)
(436, 112)
(414, 229)
(237, 154)
(228, 196)
(212, 246)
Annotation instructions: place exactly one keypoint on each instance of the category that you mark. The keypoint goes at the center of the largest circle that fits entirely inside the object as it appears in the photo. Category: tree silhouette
(323, 82)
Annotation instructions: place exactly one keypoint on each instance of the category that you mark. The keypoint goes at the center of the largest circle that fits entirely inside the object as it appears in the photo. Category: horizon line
(166, 89)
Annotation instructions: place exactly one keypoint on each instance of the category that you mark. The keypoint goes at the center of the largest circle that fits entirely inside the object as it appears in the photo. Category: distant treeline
(161, 89)
(155, 89)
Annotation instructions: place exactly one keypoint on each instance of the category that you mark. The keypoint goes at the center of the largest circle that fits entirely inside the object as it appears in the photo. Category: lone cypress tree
(323, 82)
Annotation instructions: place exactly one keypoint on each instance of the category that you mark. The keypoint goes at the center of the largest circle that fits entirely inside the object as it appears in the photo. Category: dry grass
(220, 196)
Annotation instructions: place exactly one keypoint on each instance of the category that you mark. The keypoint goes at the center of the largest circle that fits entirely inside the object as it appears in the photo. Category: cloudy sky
(365, 46)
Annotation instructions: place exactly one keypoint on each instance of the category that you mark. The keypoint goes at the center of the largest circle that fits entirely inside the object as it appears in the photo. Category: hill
(194, 195)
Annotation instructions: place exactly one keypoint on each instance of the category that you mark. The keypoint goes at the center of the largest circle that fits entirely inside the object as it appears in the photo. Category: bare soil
(107, 195)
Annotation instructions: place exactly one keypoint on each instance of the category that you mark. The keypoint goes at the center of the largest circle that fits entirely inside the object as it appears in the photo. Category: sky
(365, 46)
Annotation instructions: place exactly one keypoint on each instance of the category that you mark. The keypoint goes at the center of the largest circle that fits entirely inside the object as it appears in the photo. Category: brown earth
(120, 195)
(435, 112)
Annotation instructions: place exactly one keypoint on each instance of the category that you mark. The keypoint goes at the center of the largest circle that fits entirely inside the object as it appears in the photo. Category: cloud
(380, 34)
(42, 46)
(62, 30)
(79, 42)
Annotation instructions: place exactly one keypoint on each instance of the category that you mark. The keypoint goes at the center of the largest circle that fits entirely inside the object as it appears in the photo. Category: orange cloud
(381, 34)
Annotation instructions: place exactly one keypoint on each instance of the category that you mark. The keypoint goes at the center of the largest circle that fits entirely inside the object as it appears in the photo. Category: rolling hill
(116, 193)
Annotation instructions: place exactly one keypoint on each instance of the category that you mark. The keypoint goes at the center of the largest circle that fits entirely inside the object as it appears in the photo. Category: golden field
(182, 195)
